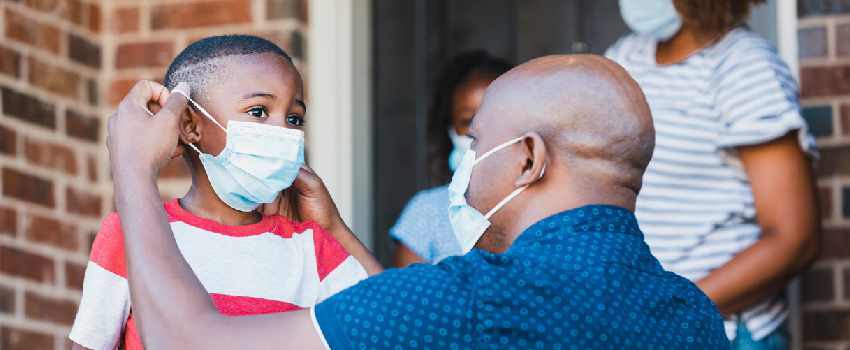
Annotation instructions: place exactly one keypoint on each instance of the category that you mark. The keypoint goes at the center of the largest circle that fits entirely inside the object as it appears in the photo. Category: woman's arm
(404, 256)
(783, 189)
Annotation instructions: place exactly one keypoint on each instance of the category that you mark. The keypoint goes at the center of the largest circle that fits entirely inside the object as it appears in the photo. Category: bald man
(562, 143)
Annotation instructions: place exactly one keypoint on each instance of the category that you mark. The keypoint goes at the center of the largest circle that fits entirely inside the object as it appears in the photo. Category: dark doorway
(412, 41)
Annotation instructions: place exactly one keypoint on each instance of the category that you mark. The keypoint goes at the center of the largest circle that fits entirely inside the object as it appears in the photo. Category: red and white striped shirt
(275, 265)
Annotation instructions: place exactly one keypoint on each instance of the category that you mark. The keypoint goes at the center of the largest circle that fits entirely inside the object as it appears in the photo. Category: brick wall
(64, 65)
(824, 36)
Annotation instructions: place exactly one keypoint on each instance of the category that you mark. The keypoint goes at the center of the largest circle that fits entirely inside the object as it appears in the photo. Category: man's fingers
(145, 91)
(176, 103)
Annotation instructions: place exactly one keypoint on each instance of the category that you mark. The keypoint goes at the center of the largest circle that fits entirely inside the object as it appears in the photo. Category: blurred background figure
(423, 231)
(714, 207)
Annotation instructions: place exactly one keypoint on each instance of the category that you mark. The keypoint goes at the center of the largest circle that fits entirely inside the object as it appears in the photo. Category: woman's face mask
(460, 144)
(257, 162)
(656, 18)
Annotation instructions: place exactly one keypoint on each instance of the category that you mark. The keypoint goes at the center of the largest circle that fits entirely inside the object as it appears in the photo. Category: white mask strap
(499, 148)
(198, 106)
(501, 204)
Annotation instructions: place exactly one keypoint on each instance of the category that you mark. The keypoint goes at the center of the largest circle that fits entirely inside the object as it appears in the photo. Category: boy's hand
(140, 141)
(307, 200)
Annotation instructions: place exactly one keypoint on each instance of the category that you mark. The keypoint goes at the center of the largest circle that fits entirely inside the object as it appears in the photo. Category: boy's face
(260, 88)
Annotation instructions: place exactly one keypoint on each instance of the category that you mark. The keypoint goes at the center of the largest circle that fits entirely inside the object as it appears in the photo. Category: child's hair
(195, 64)
(456, 72)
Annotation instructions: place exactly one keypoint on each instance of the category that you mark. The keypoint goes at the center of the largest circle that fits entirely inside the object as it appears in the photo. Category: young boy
(244, 145)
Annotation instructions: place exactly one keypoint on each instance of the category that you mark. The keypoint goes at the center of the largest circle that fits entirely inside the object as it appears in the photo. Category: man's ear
(535, 159)
(190, 127)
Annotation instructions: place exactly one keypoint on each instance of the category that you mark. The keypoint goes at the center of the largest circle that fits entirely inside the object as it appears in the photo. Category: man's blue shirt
(581, 279)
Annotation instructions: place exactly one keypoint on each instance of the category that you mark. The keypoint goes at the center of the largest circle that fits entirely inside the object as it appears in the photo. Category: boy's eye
(258, 112)
(295, 120)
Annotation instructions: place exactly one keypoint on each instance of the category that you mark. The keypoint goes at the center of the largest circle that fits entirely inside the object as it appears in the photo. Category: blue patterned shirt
(581, 279)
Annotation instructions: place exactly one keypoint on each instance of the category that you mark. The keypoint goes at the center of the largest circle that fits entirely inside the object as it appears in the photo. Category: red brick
(842, 40)
(8, 140)
(845, 120)
(16, 262)
(44, 308)
(10, 62)
(74, 274)
(826, 325)
(8, 221)
(86, 128)
(83, 203)
(52, 232)
(50, 155)
(825, 81)
(20, 339)
(29, 32)
(92, 168)
(277, 9)
(7, 300)
(118, 89)
(812, 42)
(95, 18)
(200, 14)
(144, 54)
(176, 168)
(846, 278)
(93, 93)
(54, 79)
(835, 243)
(83, 51)
(28, 108)
(833, 161)
(28, 187)
(818, 285)
(124, 20)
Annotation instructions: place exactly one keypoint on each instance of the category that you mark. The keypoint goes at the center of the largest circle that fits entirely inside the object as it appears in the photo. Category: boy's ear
(190, 131)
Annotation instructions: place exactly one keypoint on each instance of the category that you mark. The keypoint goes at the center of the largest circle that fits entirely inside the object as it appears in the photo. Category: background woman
(727, 200)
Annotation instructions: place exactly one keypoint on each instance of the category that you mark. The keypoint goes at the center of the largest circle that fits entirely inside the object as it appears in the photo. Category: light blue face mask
(467, 222)
(656, 18)
(257, 162)
(460, 144)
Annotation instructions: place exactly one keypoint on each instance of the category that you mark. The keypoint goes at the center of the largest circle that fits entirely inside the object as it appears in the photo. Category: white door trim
(339, 118)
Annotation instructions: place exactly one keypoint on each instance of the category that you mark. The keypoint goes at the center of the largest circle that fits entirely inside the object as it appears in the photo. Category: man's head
(586, 125)
(235, 77)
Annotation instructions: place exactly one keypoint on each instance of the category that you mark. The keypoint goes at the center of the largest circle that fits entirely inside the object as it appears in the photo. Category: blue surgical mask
(257, 162)
(467, 222)
(656, 18)
(460, 144)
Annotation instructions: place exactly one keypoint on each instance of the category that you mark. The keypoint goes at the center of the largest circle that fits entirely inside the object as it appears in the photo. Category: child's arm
(311, 202)
(105, 304)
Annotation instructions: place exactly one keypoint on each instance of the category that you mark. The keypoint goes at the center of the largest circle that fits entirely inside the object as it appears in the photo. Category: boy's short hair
(195, 65)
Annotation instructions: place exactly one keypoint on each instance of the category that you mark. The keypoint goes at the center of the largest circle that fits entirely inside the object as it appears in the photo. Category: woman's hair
(456, 72)
(716, 16)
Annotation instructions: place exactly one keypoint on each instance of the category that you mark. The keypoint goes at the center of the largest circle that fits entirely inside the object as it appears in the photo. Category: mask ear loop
(516, 192)
(203, 111)
(499, 148)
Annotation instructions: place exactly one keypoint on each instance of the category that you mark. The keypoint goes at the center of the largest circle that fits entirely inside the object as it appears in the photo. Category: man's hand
(138, 140)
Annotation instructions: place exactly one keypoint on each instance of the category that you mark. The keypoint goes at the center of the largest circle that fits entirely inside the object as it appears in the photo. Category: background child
(245, 145)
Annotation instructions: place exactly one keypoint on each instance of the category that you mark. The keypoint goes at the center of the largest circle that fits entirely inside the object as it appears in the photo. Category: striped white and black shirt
(696, 206)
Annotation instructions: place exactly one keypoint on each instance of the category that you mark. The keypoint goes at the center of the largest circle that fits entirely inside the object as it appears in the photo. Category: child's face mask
(257, 162)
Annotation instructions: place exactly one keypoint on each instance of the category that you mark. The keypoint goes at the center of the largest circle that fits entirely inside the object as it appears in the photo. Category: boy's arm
(312, 202)
(171, 306)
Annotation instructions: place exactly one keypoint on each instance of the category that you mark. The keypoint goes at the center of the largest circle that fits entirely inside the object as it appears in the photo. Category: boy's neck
(202, 201)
